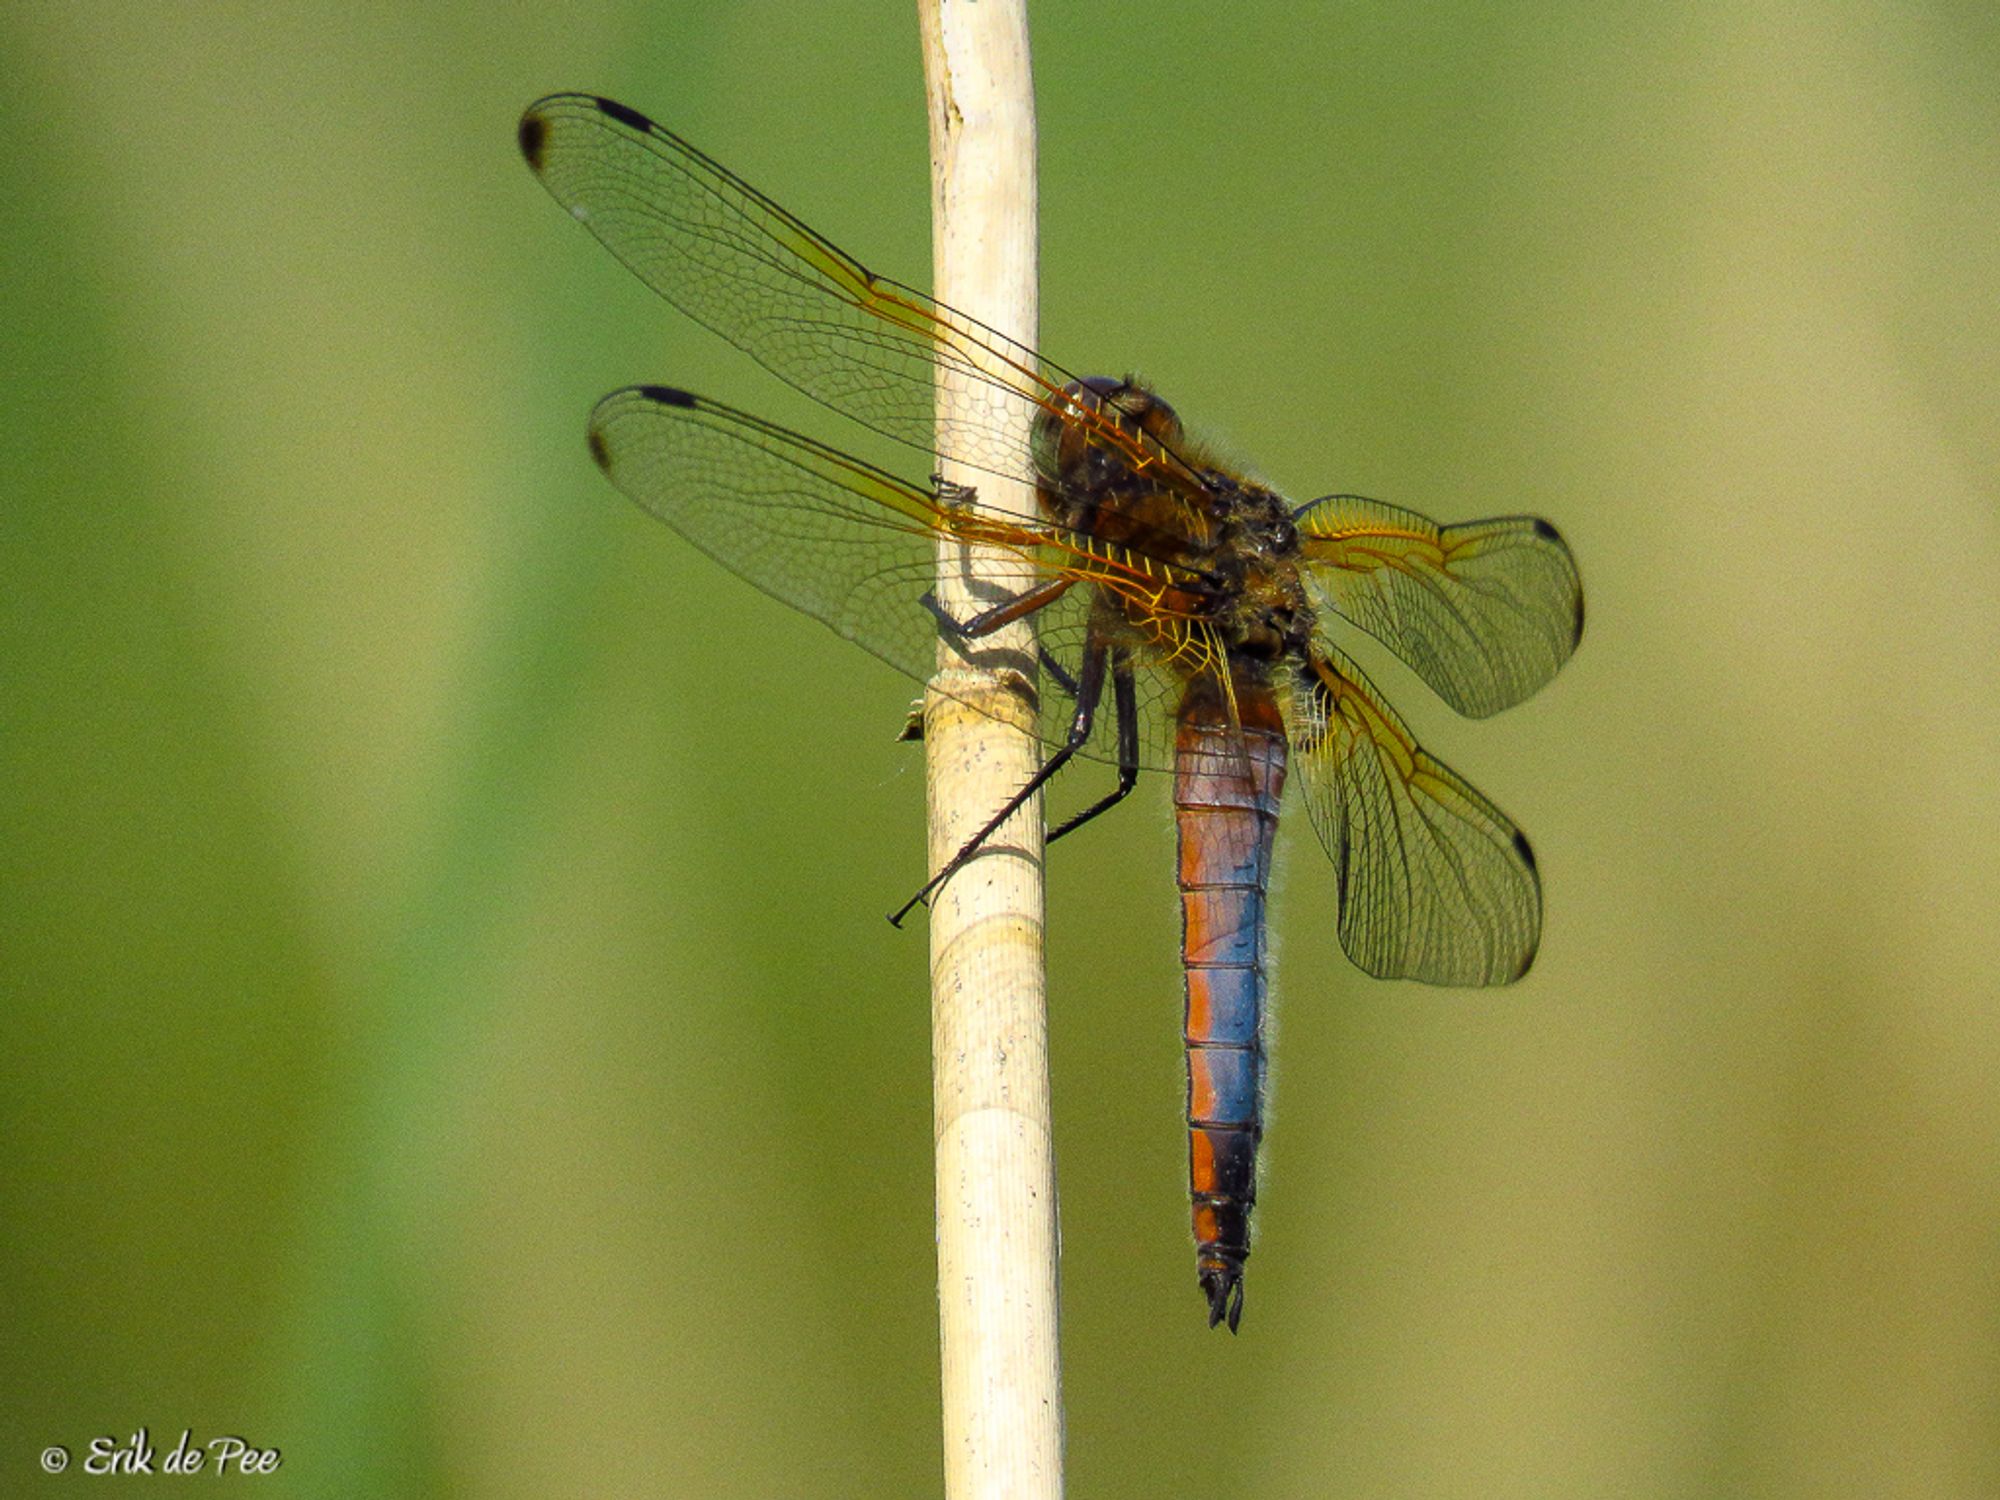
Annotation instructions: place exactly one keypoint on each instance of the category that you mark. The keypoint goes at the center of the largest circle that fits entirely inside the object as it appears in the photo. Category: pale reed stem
(996, 1204)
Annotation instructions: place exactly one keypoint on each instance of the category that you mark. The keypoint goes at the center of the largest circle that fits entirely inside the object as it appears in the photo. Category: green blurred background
(450, 1031)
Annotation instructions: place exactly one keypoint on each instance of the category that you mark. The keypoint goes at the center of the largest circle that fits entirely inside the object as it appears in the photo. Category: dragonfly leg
(953, 495)
(1055, 669)
(1124, 701)
(1006, 612)
(1095, 655)
(990, 620)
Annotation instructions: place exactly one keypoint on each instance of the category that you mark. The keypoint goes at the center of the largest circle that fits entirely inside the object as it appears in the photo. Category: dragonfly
(1210, 606)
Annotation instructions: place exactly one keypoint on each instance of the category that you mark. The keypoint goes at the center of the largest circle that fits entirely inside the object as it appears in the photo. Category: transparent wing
(1485, 612)
(855, 546)
(868, 347)
(1435, 882)
(1160, 672)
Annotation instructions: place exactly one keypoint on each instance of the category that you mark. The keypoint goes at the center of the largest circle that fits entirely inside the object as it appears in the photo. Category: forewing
(841, 540)
(1485, 612)
(1435, 882)
(868, 347)
(851, 544)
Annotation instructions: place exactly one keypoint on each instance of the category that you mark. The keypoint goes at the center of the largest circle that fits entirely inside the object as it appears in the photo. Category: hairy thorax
(1228, 545)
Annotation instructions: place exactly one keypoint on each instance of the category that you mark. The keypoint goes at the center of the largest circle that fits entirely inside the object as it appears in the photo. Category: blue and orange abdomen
(1227, 787)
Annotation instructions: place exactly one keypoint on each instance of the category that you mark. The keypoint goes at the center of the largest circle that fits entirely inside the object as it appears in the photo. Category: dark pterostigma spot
(1547, 532)
(666, 395)
(1522, 848)
(534, 135)
(625, 115)
(598, 452)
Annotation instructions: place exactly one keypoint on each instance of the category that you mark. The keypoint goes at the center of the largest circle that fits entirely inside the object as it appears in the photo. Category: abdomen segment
(1226, 797)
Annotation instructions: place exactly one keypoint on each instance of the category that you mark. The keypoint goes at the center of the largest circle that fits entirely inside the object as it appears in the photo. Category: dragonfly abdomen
(1226, 792)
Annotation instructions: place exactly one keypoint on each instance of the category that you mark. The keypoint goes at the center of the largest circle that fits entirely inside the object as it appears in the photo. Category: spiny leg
(1125, 703)
(1006, 612)
(1089, 688)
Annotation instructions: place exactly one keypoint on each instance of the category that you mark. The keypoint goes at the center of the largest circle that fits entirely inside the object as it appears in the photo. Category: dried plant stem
(996, 1206)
